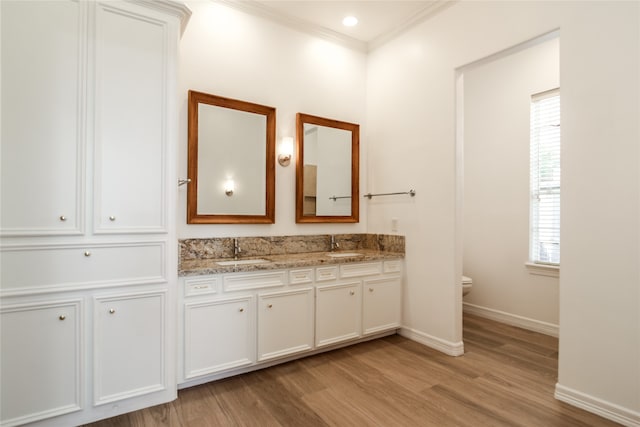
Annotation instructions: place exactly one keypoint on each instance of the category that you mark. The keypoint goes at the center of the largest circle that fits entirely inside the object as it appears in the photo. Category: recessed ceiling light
(350, 21)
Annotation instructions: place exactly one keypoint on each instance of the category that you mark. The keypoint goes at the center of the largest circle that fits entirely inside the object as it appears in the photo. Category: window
(545, 178)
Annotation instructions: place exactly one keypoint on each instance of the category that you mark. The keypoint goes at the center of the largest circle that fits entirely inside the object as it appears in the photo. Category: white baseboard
(511, 319)
(597, 406)
(446, 347)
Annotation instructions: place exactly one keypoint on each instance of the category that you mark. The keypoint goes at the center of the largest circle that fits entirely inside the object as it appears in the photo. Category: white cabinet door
(338, 312)
(218, 335)
(132, 91)
(381, 305)
(42, 146)
(285, 323)
(41, 361)
(129, 346)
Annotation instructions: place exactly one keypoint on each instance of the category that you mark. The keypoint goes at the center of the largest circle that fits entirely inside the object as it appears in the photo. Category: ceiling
(379, 20)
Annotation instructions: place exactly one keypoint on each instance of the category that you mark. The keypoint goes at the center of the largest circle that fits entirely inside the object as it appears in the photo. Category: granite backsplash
(215, 248)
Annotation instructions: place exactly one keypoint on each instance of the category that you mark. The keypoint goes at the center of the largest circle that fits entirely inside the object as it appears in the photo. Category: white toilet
(467, 283)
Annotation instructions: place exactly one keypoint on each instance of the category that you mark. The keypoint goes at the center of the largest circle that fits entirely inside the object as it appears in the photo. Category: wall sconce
(229, 186)
(286, 151)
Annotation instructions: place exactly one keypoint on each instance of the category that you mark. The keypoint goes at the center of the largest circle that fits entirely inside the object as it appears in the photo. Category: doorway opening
(493, 99)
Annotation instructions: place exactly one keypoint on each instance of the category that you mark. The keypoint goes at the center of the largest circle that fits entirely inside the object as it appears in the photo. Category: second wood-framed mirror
(327, 170)
(231, 161)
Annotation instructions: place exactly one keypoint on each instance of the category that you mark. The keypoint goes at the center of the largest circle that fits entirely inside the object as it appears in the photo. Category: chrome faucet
(334, 245)
(236, 248)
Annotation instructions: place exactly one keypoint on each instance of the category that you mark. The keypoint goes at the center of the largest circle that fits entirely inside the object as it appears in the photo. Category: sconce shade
(286, 151)
(229, 187)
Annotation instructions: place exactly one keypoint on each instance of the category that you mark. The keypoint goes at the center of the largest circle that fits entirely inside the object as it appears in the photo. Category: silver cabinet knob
(63, 218)
(112, 218)
(270, 305)
(87, 253)
(352, 293)
(112, 310)
(241, 310)
(62, 317)
(370, 289)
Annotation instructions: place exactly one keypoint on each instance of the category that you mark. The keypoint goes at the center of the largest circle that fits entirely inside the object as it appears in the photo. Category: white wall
(412, 137)
(229, 53)
(497, 99)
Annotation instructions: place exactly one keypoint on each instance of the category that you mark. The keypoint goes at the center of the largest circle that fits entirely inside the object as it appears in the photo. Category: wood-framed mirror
(231, 161)
(327, 170)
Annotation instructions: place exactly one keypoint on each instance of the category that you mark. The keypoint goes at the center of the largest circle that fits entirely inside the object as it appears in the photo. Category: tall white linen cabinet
(88, 186)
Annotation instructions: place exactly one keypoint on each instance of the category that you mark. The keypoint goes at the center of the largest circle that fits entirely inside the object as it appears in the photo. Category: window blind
(545, 178)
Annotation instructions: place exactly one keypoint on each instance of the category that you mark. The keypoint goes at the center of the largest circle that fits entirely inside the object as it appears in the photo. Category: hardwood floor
(505, 378)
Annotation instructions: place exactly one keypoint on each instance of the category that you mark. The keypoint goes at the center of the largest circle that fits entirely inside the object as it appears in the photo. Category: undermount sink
(244, 261)
(343, 254)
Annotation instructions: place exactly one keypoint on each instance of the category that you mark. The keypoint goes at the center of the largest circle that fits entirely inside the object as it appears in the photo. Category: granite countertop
(195, 267)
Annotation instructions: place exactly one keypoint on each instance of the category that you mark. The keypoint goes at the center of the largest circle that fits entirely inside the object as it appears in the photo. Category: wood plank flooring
(505, 378)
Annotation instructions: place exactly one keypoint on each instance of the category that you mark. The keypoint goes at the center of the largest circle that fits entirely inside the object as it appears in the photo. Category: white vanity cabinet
(218, 335)
(89, 136)
(218, 322)
(232, 323)
(381, 304)
(364, 299)
(285, 323)
(338, 312)
(41, 358)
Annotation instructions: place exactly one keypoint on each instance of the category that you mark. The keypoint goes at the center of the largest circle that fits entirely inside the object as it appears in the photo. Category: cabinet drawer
(298, 277)
(62, 266)
(393, 266)
(241, 282)
(363, 269)
(201, 286)
(324, 274)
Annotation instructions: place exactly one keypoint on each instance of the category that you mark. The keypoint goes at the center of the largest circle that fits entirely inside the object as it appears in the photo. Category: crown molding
(427, 12)
(175, 8)
(258, 9)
